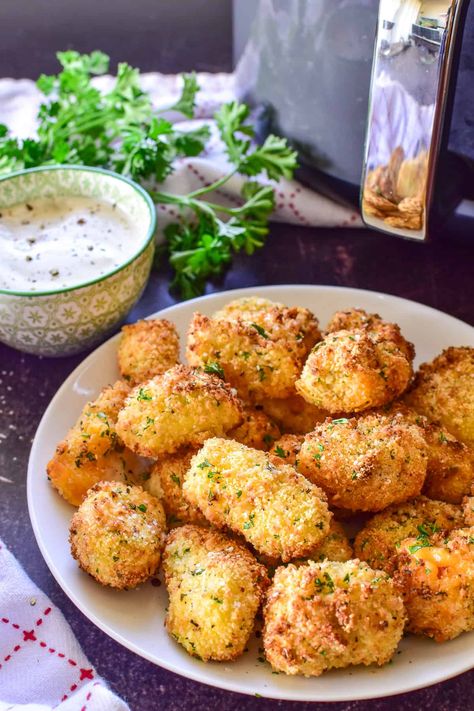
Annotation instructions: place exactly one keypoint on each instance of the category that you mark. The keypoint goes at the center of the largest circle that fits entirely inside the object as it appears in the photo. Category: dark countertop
(439, 275)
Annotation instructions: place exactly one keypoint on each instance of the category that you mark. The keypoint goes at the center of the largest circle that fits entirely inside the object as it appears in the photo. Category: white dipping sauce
(55, 243)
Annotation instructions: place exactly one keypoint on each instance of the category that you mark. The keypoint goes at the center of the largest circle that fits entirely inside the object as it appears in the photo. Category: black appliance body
(378, 98)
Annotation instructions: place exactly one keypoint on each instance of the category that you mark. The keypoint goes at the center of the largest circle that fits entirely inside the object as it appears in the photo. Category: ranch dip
(56, 243)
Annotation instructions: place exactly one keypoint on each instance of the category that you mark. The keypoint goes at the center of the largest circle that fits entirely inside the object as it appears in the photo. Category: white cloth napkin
(20, 99)
(42, 665)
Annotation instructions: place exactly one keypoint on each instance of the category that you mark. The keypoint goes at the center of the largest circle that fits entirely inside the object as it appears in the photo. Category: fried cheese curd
(293, 414)
(117, 534)
(286, 450)
(435, 575)
(92, 450)
(257, 430)
(352, 371)
(450, 469)
(379, 540)
(443, 390)
(279, 512)
(166, 483)
(360, 319)
(182, 407)
(260, 346)
(468, 508)
(365, 463)
(321, 616)
(147, 348)
(336, 546)
(215, 588)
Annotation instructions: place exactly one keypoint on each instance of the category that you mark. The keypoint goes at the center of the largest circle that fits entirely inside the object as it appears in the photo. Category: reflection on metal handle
(413, 56)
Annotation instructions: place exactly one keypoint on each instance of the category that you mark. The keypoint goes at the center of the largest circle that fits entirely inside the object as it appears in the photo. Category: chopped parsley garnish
(214, 368)
(442, 438)
(325, 585)
(142, 508)
(260, 330)
(280, 452)
(175, 478)
(143, 395)
(340, 421)
(204, 464)
(250, 523)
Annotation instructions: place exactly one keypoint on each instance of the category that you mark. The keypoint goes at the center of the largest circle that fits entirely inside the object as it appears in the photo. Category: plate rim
(117, 636)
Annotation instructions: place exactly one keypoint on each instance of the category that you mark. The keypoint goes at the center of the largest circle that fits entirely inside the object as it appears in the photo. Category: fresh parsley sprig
(120, 130)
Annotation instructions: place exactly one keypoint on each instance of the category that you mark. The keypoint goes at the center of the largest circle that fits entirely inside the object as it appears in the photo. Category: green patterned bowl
(67, 321)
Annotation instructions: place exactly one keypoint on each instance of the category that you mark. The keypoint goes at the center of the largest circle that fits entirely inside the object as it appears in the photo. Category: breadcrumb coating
(260, 350)
(277, 510)
(215, 588)
(365, 463)
(468, 510)
(443, 390)
(293, 414)
(378, 541)
(117, 534)
(373, 323)
(450, 469)
(182, 407)
(286, 450)
(352, 371)
(277, 320)
(166, 483)
(336, 546)
(92, 450)
(257, 430)
(435, 575)
(329, 615)
(147, 348)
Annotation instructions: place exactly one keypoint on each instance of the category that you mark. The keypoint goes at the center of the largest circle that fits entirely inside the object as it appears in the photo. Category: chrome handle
(413, 58)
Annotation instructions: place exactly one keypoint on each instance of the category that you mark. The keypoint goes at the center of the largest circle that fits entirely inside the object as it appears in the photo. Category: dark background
(171, 36)
(154, 35)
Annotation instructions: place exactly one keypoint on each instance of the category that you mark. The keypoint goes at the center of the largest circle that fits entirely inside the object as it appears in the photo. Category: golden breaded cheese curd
(336, 546)
(261, 355)
(468, 509)
(352, 371)
(443, 391)
(182, 407)
(277, 510)
(215, 588)
(435, 575)
(286, 450)
(293, 414)
(358, 318)
(257, 430)
(147, 348)
(321, 616)
(378, 541)
(92, 450)
(277, 320)
(450, 469)
(166, 483)
(450, 472)
(117, 534)
(365, 463)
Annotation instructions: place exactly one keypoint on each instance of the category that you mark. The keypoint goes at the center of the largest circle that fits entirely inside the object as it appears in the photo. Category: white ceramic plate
(135, 618)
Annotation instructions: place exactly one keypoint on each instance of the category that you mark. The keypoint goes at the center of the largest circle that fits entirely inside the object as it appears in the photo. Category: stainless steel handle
(413, 57)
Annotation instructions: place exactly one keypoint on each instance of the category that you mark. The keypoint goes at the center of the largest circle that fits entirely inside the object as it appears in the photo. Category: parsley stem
(214, 186)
